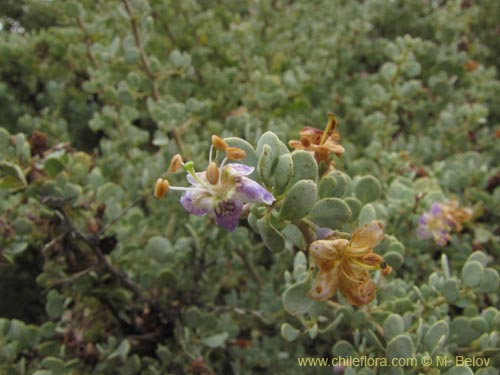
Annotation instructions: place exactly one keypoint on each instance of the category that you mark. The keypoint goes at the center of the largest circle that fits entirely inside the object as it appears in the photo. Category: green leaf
(367, 214)
(393, 326)
(435, 334)
(326, 187)
(355, 206)
(368, 189)
(265, 165)
(299, 200)
(160, 249)
(288, 332)
(295, 298)
(71, 9)
(451, 290)
(491, 281)
(282, 174)
(251, 157)
(344, 349)
(400, 346)
(54, 364)
(459, 370)
(271, 140)
(304, 167)
(472, 274)
(55, 304)
(215, 341)
(341, 184)
(393, 259)
(330, 213)
(272, 238)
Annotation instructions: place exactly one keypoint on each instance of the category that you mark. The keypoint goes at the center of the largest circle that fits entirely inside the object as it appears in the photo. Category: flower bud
(213, 173)
(175, 163)
(235, 153)
(161, 188)
(219, 143)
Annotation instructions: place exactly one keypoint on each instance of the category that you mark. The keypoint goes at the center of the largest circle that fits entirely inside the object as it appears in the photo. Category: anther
(213, 173)
(219, 143)
(235, 153)
(176, 163)
(161, 188)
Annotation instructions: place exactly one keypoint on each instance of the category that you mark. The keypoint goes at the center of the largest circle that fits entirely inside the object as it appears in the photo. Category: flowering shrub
(371, 233)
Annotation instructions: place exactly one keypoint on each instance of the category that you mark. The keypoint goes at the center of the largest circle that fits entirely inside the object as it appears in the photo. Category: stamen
(213, 173)
(189, 167)
(235, 153)
(220, 168)
(176, 163)
(219, 143)
(161, 188)
(330, 126)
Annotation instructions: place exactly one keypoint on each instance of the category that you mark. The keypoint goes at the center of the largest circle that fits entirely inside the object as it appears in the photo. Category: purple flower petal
(227, 213)
(201, 175)
(323, 233)
(436, 209)
(198, 203)
(423, 233)
(424, 219)
(250, 191)
(240, 169)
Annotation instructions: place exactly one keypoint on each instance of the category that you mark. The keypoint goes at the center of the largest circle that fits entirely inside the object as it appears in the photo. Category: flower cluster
(320, 143)
(441, 220)
(345, 265)
(221, 191)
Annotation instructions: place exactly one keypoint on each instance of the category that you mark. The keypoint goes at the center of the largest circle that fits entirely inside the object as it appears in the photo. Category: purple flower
(434, 224)
(224, 199)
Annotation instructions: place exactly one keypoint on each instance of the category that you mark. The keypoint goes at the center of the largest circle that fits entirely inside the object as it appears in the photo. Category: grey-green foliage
(97, 277)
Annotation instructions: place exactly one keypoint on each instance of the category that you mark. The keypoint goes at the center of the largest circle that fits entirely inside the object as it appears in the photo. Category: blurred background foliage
(98, 277)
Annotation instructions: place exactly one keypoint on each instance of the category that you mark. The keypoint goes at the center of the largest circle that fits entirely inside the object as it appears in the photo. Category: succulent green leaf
(341, 185)
(299, 200)
(159, 248)
(367, 214)
(451, 290)
(295, 298)
(434, 335)
(271, 139)
(54, 364)
(491, 281)
(326, 187)
(282, 174)
(459, 370)
(265, 166)
(393, 259)
(304, 167)
(400, 346)
(215, 341)
(368, 189)
(344, 349)
(330, 213)
(272, 238)
(472, 274)
(288, 332)
(393, 326)
(355, 206)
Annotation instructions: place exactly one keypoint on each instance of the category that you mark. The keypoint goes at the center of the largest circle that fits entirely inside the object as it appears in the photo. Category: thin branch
(88, 43)
(143, 57)
(250, 267)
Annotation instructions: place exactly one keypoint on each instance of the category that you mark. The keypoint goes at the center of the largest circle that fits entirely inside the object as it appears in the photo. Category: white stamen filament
(220, 168)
